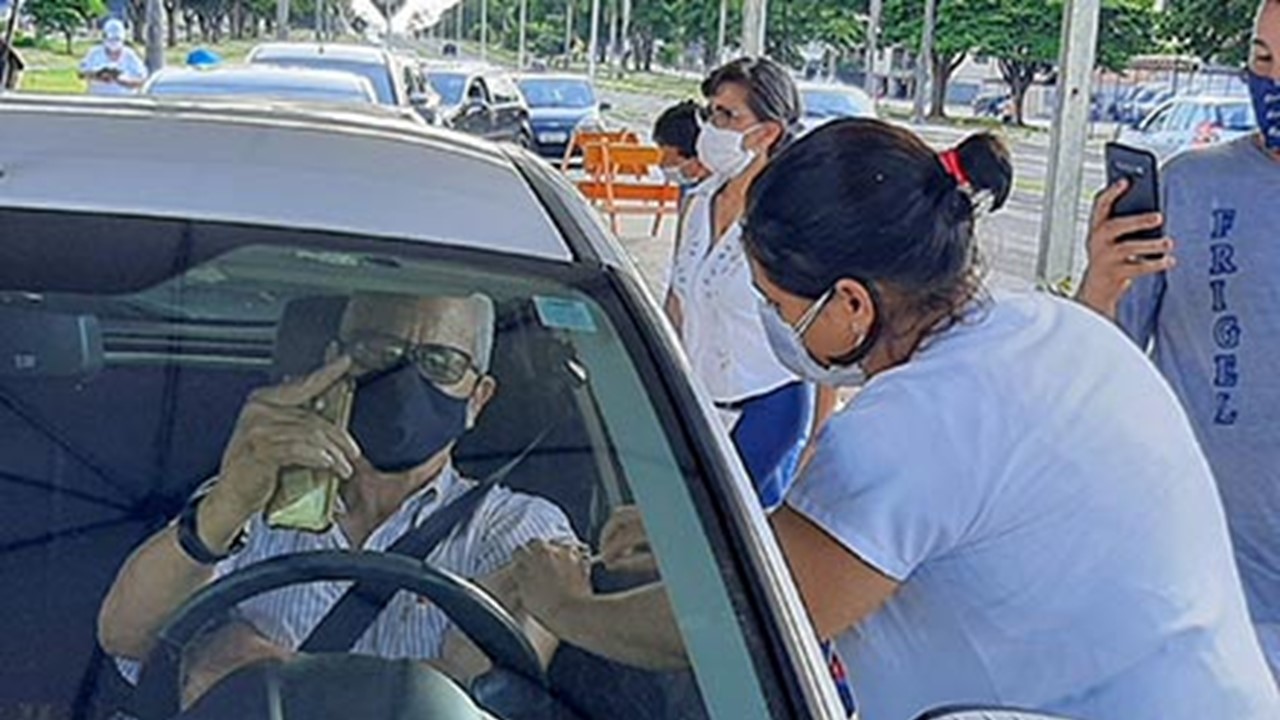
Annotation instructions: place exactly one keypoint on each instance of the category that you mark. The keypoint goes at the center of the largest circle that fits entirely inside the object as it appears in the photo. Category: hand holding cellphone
(306, 498)
(1141, 170)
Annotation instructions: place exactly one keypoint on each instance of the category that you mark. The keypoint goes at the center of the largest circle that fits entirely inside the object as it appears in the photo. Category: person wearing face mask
(1210, 323)
(1013, 510)
(675, 132)
(420, 367)
(752, 112)
(113, 68)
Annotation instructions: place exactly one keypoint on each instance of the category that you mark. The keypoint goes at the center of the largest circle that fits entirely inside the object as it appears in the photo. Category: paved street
(1010, 238)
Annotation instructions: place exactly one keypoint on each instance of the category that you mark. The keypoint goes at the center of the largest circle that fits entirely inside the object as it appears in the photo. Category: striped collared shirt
(408, 627)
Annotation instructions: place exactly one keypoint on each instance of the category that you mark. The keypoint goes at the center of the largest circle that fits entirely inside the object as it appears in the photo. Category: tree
(1210, 29)
(961, 28)
(796, 23)
(64, 16)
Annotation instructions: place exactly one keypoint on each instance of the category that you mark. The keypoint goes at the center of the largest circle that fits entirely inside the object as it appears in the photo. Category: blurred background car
(1142, 101)
(826, 102)
(559, 104)
(396, 79)
(481, 101)
(1191, 121)
(262, 81)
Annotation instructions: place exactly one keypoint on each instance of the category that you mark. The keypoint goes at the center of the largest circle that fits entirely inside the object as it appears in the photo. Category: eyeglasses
(441, 364)
(719, 115)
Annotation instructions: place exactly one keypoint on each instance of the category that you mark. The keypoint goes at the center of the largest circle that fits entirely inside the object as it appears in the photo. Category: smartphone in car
(305, 498)
(1141, 169)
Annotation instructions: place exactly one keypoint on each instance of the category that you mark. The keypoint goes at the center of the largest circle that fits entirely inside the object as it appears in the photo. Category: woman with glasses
(1013, 510)
(752, 112)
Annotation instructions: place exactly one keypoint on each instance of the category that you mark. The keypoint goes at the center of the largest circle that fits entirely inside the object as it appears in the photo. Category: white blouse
(722, 332)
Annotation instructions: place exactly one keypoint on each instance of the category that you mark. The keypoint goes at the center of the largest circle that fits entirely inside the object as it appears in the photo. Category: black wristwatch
(189, 536)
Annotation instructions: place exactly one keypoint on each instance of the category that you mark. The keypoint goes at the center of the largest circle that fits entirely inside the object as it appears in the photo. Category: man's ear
(480, 397)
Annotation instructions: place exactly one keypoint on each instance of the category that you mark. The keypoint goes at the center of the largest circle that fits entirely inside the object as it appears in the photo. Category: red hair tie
(950, 160)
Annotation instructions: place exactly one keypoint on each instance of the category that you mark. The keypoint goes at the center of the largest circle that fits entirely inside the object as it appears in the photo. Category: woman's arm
(837, 587)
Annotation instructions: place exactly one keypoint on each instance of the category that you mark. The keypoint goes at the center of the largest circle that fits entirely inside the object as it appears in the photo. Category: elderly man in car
(419, 367)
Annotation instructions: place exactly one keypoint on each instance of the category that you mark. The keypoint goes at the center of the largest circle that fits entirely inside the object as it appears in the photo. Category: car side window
(477, 92)
(1158, 121)
(1182, 117)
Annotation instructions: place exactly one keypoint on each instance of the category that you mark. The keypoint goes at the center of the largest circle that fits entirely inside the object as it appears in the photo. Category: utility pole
(319, 14)
(754, 18)
(6, 69)
(282, 19)
(484, 30)
(155, 35)
(720, 36)
(459, 11)
(873, 48)
(524, 21)
(594, 42)
(1056, 261)
(924, 62)
(568, 33)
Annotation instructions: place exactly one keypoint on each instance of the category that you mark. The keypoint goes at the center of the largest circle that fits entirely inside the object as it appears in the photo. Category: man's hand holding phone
(1120, 249)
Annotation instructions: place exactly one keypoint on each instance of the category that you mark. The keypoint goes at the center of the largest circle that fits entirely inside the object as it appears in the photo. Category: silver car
(824, 102)
(263, 82)
(1191, 121)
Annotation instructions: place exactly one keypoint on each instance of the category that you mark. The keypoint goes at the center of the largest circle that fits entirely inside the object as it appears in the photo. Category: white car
(1191, 121)
(262, 82)
(824, 102)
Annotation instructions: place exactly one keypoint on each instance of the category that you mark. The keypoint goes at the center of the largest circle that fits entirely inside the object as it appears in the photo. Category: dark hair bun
(985, 160)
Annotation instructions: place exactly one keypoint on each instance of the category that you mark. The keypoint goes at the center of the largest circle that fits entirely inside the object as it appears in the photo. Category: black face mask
(401, 419)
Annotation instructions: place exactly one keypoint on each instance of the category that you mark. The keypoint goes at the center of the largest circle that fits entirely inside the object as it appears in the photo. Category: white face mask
(722, 150)
(676, 175)
(114, 44)
(787, 343)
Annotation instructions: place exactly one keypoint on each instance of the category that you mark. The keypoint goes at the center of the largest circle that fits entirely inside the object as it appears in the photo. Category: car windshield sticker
(564, 314)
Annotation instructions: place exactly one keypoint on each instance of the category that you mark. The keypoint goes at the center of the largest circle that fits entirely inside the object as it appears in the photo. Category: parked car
(481, 101)
(1191, 121)
(396, 79)
(1143, 100)
(997, 104)
(263, 82)
(559, 104)
(824, 102)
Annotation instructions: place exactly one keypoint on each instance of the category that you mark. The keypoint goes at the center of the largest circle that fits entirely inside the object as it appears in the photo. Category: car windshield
(138, 343)
(303, 93)
(555, 93)
(375, 73)
(832, 103)
(1237, 116)
(449, 86)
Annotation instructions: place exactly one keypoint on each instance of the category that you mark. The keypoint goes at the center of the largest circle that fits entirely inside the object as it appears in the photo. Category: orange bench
(619, 181)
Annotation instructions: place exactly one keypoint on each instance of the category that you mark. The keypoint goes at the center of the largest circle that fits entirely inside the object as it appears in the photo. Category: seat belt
(358, 608)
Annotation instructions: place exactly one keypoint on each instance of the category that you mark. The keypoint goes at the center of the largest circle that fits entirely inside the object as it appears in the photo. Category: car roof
(338, 51)
(350, 169)
(554, 76)
(831, 87)
(262, 75)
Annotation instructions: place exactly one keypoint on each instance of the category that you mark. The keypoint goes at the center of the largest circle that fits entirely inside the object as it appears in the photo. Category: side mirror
(606, 106)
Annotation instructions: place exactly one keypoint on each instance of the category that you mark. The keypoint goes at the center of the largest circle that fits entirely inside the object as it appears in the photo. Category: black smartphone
(1141, 169)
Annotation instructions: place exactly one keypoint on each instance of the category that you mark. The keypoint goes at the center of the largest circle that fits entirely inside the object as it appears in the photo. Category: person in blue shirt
(1209, 318)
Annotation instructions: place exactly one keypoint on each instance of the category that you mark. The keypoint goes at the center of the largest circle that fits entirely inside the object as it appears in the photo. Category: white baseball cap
(113, 29)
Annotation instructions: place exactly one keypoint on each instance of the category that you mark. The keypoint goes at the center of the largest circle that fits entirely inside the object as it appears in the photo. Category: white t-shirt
(722, 332)
(130, 65)
(1031, 481)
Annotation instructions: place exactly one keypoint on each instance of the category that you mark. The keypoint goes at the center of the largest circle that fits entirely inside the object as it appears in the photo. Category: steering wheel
(475, 613)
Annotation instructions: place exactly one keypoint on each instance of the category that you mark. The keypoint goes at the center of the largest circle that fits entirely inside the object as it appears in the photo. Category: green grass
(51, 70)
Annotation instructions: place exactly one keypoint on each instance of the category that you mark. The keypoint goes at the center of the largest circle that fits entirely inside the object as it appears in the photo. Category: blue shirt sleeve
(1139, 309)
